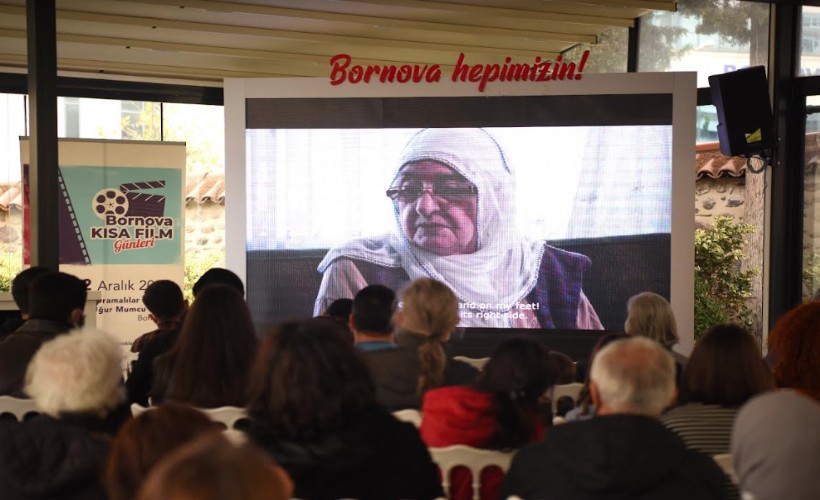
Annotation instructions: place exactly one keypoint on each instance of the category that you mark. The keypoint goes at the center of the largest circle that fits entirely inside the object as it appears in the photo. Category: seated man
(167, 307)
(56, 303)
(372, 318)
(20, 289)
(624, 452)
(453, 199)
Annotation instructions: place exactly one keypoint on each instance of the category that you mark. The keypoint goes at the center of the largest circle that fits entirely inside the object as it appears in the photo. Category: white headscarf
(504, 268)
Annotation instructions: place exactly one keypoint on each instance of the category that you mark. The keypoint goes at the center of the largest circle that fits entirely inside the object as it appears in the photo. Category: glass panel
(705, 38)
(13, 112)
(609, 55)
(202, 128)
(810, 42)
(811, 203)
(706, 121)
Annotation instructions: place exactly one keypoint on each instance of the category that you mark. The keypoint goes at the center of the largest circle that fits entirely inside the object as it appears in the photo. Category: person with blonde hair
(75, 381)
(427, 319)
(212, 468)
(650, 315)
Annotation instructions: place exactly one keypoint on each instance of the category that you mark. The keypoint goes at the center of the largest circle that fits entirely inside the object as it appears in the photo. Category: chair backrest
(226, 415)
(558, 391)
(724, 460)
(473, 459)
(19, 407)
(137, 408)
(128, 359)
(477, 363)
(409, 415)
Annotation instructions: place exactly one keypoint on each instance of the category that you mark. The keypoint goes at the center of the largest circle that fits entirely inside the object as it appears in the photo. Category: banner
(121, 222)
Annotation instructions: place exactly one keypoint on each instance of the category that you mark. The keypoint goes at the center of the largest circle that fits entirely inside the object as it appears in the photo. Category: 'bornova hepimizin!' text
(342, 70)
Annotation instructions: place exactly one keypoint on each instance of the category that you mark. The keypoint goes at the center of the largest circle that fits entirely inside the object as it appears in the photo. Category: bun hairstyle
(430, 308)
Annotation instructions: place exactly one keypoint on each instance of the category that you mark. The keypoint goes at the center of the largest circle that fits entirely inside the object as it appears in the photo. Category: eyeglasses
(449, 191)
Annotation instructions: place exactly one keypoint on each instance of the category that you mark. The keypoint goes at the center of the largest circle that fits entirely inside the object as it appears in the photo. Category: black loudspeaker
(745, 122)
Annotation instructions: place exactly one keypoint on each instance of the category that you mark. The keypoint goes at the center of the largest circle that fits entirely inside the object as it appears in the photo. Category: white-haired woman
(75, 381)
(454, 203)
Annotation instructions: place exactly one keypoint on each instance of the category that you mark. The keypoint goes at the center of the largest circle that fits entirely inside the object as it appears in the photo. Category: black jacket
(396, 371)
(17, 349)
(613, 457)
(374, 457)
(48, 458)
(141, 379)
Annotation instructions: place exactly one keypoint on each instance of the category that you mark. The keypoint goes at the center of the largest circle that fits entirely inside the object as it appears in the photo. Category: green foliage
(811, 274)
(721, 286)
(196, 267)
(10, 265)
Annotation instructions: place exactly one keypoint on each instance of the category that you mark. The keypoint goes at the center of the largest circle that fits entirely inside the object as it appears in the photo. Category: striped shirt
(706, 428)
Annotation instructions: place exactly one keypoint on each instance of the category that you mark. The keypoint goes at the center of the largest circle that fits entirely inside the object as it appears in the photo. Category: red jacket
(462, 415)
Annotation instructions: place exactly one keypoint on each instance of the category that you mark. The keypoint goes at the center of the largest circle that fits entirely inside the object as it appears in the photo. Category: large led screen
(539, 211)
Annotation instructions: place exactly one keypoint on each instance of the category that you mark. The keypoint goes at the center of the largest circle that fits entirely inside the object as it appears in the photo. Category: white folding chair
(558, 391)
(19, 407)
(137, 408)
(227, 415)
(724, 460)
(477, 363)
(409, 415)
(474, 459)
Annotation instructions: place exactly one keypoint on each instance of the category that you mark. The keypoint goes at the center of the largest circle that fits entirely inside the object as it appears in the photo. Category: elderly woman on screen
(454, 202)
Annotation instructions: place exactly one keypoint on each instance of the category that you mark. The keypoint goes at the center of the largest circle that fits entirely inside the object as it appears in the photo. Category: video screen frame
(622, 99)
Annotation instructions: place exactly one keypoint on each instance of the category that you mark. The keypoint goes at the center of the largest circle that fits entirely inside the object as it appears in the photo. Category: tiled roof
(709, 162)
(203, 188)
(206, 187)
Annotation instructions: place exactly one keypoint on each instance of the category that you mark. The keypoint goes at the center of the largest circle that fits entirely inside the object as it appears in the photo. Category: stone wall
(721, 196)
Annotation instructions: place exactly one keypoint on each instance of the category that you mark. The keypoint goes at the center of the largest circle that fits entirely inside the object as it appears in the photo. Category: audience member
(723, 372)
(212, 468)
(208, 365)
(776, 447)
(312, 407)
(20, 289)
(501, 410)
(794, 346)
(339, 310)
(650, 315)
(625, 452)
(584, 409)
(372, 318)
(56, 302)
(563, 366)
(218, 276)
(167, 307)
(428, 317)
(144, 440)
(74, 380)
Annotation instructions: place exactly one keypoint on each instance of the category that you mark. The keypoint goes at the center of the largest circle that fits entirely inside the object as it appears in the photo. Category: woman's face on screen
(437, 208)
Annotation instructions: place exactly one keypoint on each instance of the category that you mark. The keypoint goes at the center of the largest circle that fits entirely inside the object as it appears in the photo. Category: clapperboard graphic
(125, 201)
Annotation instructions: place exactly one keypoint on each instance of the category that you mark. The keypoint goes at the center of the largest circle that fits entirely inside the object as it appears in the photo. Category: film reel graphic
(109, 202)
(126, 200)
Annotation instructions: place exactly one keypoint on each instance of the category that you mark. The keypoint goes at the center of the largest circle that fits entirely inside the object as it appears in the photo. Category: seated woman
(313, 408)
(208, 365)
(75, 380)
(213, 468)
(501, 410)
(146, 439)
(724, 371)
(428, 317)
